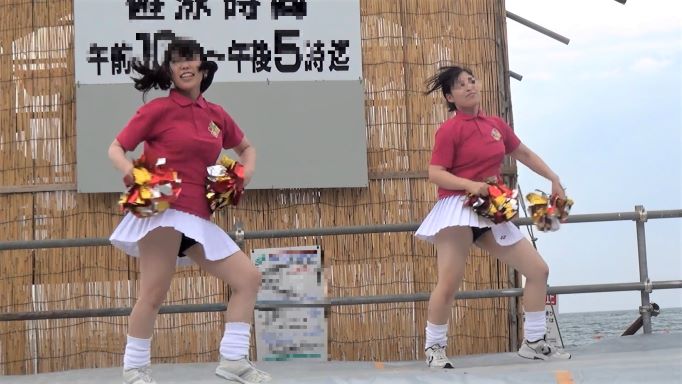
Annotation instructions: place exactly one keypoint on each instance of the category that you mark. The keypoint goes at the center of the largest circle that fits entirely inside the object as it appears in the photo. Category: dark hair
(159, 76)
(444, 80)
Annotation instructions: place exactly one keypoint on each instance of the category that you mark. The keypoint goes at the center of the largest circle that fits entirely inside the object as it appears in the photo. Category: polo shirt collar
(185, 101)
(465, 116)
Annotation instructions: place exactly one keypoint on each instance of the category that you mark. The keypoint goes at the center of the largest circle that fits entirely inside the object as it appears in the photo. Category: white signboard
(251, 40)
(291, 274)
(289, 73)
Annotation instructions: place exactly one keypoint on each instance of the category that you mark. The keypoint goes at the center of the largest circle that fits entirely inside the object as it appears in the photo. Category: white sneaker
(241, 371)
(542, 350)
(138, 376)
(436, 358)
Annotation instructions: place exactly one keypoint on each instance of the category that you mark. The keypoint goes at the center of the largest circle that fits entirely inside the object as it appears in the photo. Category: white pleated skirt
(216, 243)
(452, 212)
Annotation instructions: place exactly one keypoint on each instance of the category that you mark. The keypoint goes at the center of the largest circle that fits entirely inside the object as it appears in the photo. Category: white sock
(436, 334)
(235, 342)
(535, 326)
(138, 353)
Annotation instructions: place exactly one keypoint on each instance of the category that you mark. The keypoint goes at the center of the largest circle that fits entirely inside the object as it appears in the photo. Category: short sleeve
(511, 141)
(141, 126)
(232, 134)
(443, 153)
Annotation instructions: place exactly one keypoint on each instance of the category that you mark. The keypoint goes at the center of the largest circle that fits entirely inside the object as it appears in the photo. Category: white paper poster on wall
(293, 273)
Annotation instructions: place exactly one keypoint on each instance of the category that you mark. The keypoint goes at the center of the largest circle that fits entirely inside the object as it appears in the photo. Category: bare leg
(240, 274)
(452, 246)
(158, 252)
(525, 259)
(244, 279)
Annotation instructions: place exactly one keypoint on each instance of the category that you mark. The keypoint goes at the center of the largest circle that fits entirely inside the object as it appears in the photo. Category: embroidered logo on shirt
(215, 131)
(496, 134)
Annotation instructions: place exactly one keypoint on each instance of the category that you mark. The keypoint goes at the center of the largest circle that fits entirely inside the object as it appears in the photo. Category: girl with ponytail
(467, 155)
(189, 132)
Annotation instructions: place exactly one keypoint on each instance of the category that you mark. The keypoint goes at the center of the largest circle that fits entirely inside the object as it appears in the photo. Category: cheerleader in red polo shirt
(189, 132)
(468, 152)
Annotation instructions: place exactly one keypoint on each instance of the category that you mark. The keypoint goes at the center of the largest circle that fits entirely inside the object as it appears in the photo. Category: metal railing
(639, 215)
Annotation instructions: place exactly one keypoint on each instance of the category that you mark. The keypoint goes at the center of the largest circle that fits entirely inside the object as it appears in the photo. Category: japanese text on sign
(252, 37)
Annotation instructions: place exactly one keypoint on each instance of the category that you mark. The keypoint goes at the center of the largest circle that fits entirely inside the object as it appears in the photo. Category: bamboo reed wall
(404, 41)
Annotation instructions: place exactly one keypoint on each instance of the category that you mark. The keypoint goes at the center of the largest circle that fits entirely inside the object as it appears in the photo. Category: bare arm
(444, 179)
(119, 159)
(537, 165)
(247, 156)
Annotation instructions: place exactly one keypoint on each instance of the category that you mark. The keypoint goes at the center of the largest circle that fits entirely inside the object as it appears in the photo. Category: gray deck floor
(634, 359)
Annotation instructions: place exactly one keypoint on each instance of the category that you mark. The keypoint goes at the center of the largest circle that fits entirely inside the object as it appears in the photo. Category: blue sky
(605, 112)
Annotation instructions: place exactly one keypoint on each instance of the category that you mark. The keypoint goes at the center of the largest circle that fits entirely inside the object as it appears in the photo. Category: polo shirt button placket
(194, 119)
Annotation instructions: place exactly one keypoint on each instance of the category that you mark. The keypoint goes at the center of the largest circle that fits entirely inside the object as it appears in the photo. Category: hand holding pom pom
(151, 189)
(225, 183)
(499, 206)
(548, 212)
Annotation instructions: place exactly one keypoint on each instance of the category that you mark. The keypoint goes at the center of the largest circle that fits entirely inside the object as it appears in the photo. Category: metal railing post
(239, 234)
(645, 309)
(513, 313)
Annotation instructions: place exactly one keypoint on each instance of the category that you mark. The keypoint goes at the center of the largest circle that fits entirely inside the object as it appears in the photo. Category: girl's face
(465, 93)
(185, 73)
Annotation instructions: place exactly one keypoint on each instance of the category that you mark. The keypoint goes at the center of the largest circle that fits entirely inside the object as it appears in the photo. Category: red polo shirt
(190, 135)
(472, 147)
